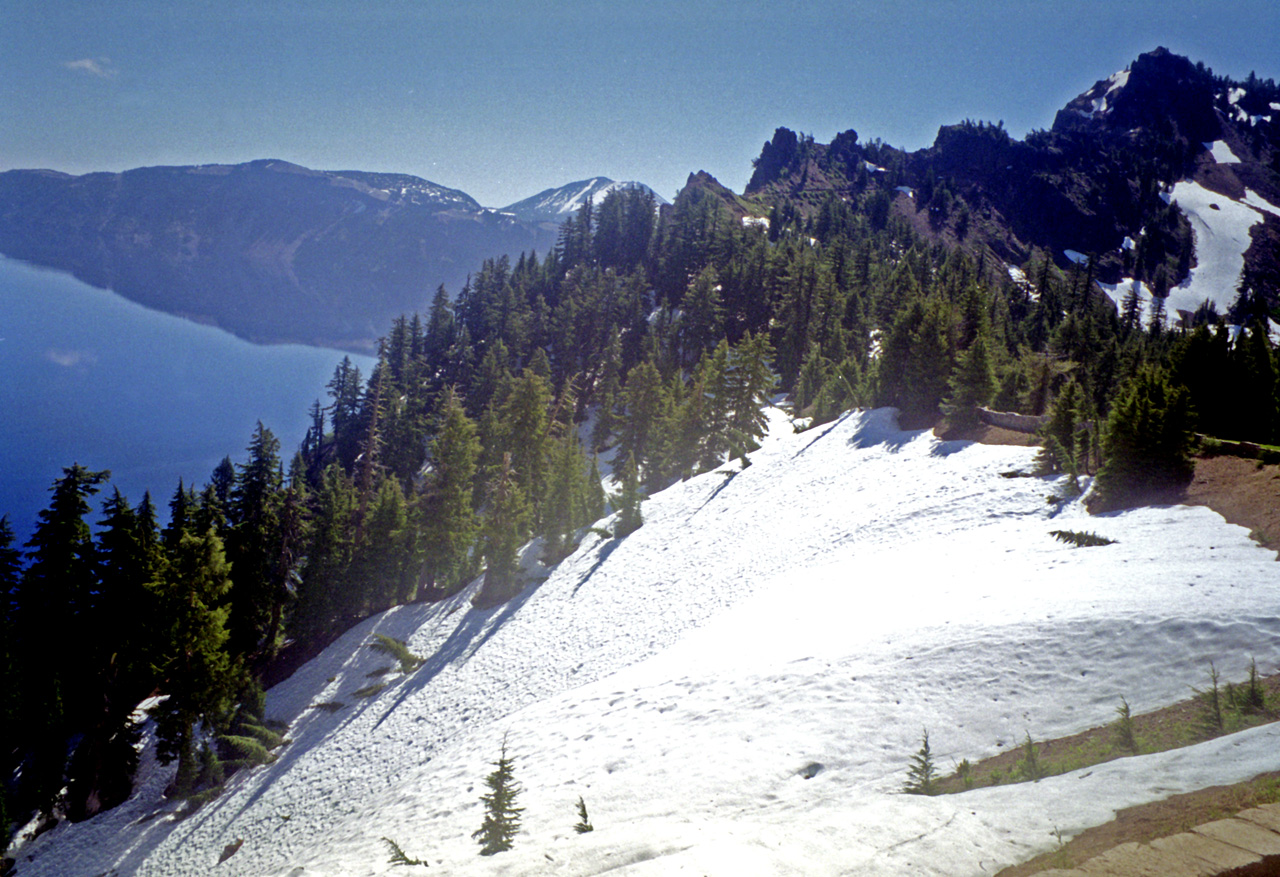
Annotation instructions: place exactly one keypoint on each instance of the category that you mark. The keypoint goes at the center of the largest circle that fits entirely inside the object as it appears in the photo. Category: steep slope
(268, 250)
(737, 686)
(557, 205)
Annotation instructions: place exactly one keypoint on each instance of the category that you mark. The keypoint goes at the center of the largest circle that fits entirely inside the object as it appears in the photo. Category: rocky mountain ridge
(1095, 184)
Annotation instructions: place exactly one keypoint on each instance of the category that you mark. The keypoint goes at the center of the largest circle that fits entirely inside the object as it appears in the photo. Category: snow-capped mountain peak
(557, 205)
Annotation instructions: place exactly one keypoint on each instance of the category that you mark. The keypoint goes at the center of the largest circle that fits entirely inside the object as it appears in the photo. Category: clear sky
(503, 98)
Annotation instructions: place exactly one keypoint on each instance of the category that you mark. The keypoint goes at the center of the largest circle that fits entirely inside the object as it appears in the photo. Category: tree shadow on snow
(606, 549)
(476, 628)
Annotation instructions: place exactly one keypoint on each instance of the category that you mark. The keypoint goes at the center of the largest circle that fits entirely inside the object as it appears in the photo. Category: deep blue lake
(88, 377)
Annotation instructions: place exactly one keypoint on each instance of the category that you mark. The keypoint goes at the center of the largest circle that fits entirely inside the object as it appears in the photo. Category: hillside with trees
(647, 342)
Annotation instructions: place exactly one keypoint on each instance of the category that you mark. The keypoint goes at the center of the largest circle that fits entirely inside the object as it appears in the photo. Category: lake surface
(89, 377)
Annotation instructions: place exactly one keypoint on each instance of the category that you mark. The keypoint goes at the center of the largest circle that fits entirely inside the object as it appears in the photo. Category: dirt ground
(1243, 492)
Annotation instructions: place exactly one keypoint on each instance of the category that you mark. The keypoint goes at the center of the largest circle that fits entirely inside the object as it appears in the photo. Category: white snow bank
(1221, 152)
(737, 687)
(1221, 230)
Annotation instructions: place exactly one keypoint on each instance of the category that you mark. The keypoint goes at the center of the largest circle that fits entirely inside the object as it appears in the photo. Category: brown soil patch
(1174, 726)
(1150, 821)
(1242, 491)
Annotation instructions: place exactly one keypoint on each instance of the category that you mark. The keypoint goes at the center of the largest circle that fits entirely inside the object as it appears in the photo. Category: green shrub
(1080, 539)
(251, 751)
(398, 650)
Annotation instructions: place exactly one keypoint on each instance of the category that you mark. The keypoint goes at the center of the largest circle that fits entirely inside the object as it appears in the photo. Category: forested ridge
(646, 341)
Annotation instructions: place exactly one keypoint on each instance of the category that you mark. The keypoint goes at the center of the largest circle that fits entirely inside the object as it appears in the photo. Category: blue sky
(503, 99)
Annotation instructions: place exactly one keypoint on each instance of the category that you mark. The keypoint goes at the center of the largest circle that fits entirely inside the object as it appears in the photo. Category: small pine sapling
(1030, 766)
(584, 821)
(1124, 727)
(1081, 539)
(1211, 703)
(964, 770)
(922, 772)
(1255, 696)
(398, 856)
(501, 816)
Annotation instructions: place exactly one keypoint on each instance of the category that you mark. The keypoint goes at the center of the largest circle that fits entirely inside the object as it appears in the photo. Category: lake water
(89, 377)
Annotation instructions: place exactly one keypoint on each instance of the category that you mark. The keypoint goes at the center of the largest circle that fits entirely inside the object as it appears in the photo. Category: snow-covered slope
(557, 205)
(736, 688)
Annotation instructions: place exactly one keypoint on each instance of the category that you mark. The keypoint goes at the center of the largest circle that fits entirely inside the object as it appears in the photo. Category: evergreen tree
(565, 507)
(10, 678)
(584, 821)
(56, 602)
(501, 815)
(344, 390)
(450, 520)
(1061, 452)
(972, 384)
(119, 657)
(644, 406)
(261, 586)
(629, 516)
(502, 534)
(701, 316)
(199, 675)
(381, 564)
(1147, 443)
(526, 426)
(324, 597)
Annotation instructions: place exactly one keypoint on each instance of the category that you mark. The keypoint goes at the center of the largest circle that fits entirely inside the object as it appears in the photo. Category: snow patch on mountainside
(1221, 152)
(736, 688)
(1220, 227)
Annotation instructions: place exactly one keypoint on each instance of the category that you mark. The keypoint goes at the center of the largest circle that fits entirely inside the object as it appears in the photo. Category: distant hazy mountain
(557, 205)
(268, 250)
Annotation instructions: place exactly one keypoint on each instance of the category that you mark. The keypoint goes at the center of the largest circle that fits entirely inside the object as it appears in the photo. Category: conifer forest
(647, 344)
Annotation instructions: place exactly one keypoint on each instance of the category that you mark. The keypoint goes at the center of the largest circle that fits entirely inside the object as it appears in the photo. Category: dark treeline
(649, 341)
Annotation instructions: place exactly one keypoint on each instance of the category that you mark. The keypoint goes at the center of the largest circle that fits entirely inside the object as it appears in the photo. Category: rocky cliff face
(268, 250)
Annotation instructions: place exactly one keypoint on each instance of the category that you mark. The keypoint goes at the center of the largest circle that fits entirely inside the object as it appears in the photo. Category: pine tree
(450, 520)
(254, 546)
(565, 507)
(584, 821)
(199, 674)
(324, 597)
(10, 678)
(56, 602)
(644, 405)
(972, 384)
(629, 517)
(344, 390)
(501, 817)
(922, 772)
(502, 534)
(1147, 443)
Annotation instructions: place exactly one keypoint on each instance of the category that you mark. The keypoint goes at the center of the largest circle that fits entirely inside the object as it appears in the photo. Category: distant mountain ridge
(558, 204)
(268, 250)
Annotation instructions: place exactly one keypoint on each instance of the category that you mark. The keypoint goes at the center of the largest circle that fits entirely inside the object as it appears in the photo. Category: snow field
(1221, 229)
(737, 687)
